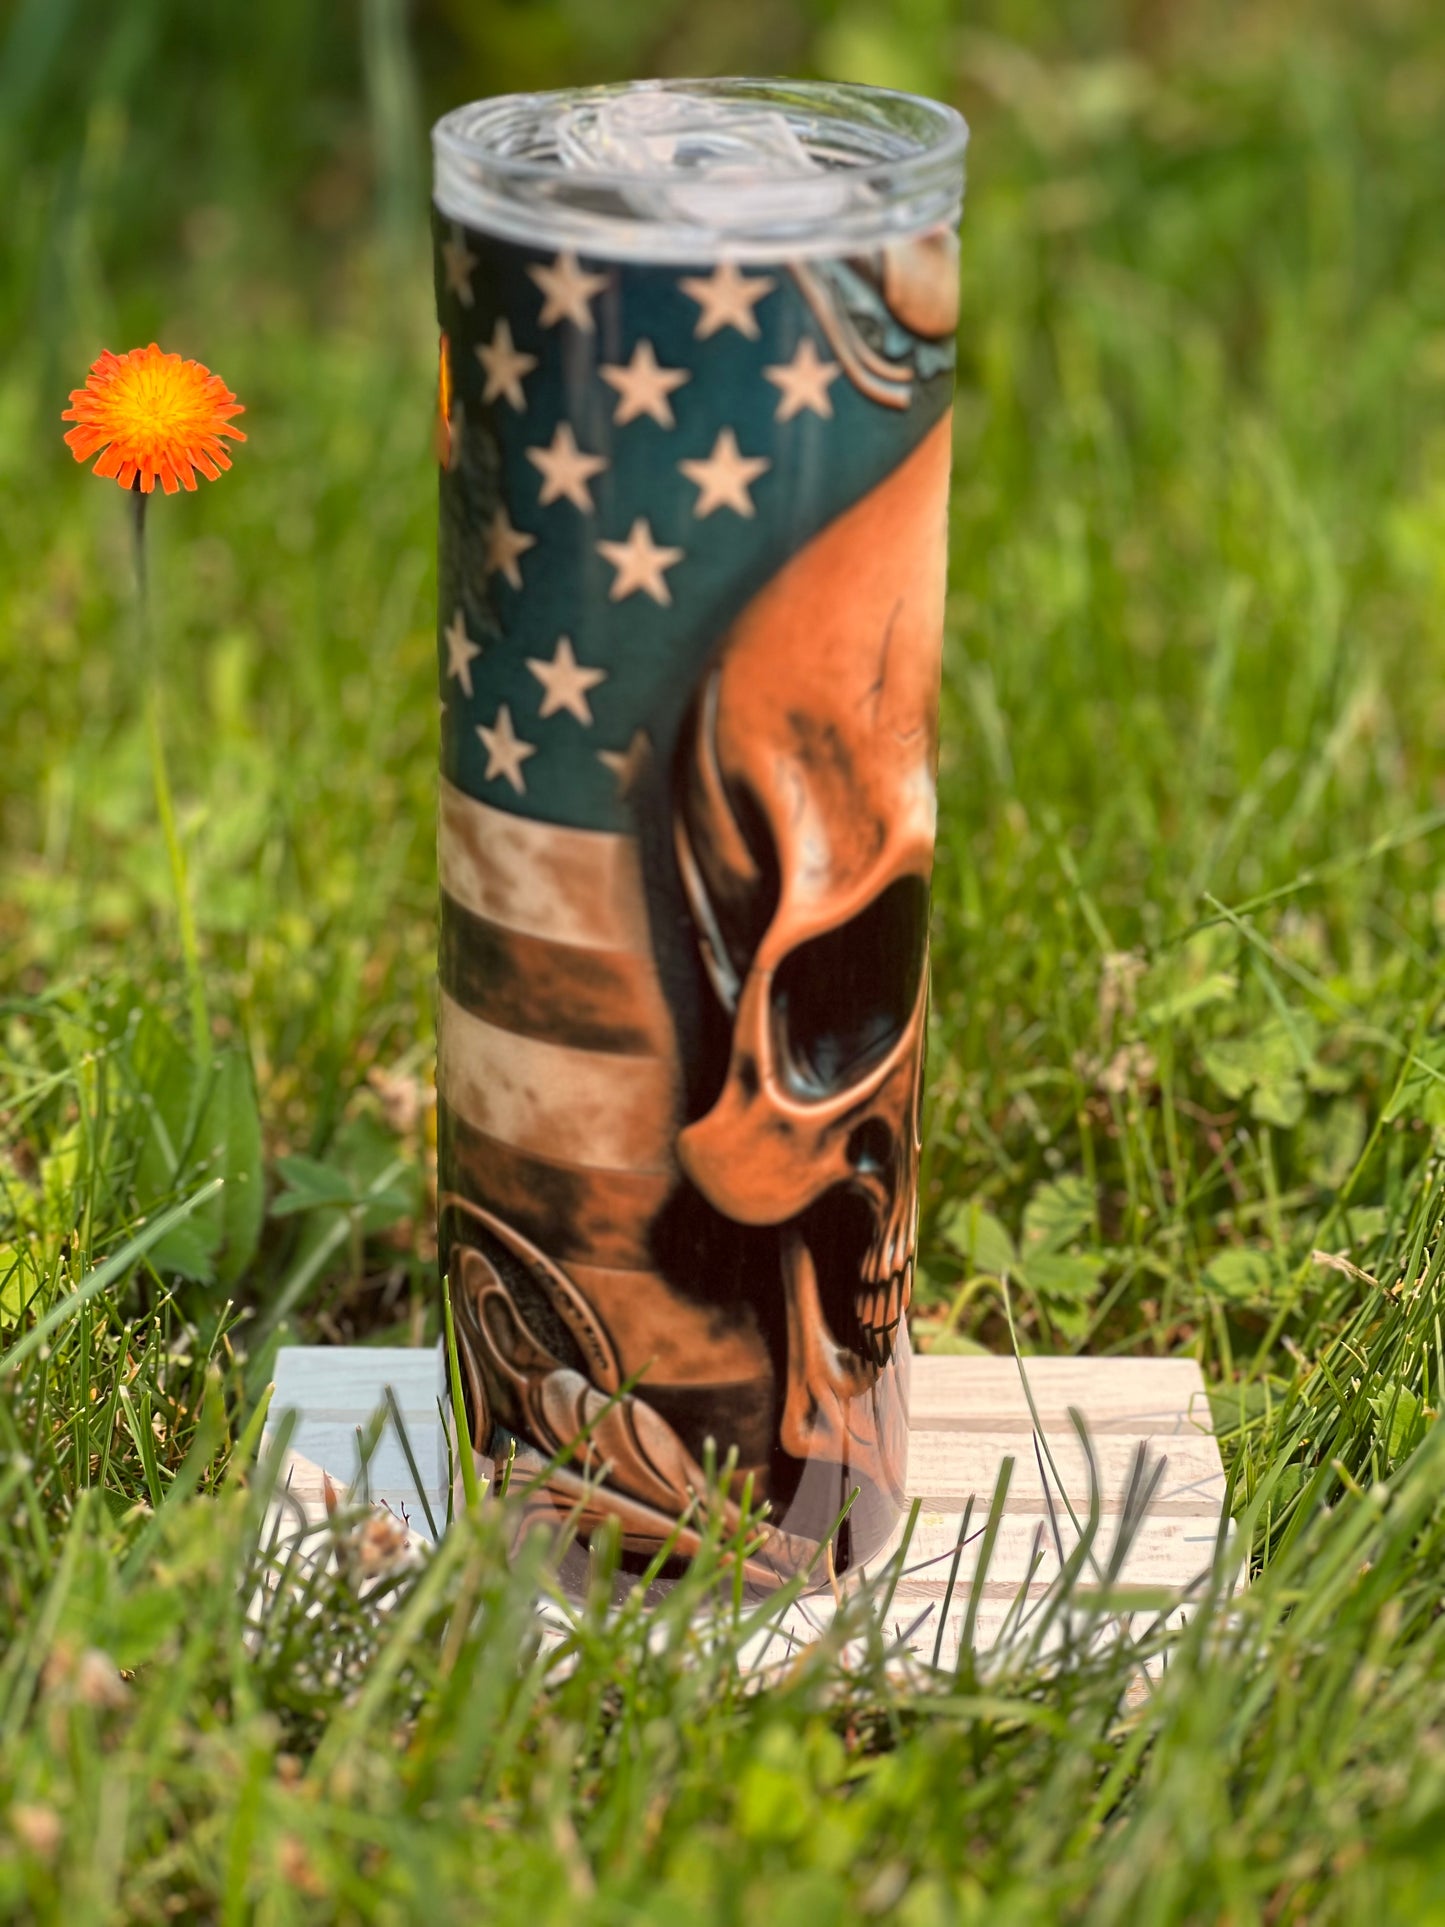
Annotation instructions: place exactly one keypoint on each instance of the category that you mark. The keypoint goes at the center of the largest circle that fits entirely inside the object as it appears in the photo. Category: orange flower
(152, 415)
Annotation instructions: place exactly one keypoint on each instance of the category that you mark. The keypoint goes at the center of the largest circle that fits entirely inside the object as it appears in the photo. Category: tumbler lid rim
(893, 165)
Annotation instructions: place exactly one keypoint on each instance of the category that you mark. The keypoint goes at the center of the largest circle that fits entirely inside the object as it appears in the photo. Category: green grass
(1187, 1027)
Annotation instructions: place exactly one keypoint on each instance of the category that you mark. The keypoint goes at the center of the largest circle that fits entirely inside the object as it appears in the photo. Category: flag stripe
(581, 887)
(614, 1113)
(593, 1000)
(652, 1326)
(566, 1210)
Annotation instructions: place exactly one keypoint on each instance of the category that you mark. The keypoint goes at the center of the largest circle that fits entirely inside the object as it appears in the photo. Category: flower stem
(165, 804)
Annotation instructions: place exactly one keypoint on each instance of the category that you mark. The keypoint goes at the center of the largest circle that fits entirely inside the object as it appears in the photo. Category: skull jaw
(838, 1406)
(761, 1157)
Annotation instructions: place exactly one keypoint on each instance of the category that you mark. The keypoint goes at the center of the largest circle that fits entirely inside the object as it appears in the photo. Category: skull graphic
(804, 832)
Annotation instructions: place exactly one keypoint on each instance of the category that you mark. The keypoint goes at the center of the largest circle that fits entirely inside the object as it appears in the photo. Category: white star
(505, 365)
(803, 382)
(462, 652)
(565, 682)
(458, 262)
(628, 764)
(724, 479)
(504, 545)
(566, 291)
(642, 387)
(639, 562)
(726, 299)
(566, 469)
(506, 752)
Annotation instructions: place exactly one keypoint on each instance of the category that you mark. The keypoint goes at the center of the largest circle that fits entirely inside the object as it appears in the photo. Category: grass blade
(105, 1274)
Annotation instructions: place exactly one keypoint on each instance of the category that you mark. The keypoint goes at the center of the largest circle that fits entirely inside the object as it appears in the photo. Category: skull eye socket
(842, 1001)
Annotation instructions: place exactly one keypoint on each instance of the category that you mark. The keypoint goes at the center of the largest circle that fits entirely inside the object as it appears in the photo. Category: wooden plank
(914, 1628)
(949, 1466)
(336, 1391)
(1144, 1397)
(969, 1414)
(1167, 1552)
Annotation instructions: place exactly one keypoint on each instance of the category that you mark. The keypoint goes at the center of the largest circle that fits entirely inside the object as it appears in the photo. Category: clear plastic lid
(693, 169)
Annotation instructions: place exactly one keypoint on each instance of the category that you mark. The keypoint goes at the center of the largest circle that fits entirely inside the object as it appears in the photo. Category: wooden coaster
(1146, 1420)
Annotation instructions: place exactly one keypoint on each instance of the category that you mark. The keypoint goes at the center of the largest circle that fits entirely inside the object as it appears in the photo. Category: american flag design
(690, 608)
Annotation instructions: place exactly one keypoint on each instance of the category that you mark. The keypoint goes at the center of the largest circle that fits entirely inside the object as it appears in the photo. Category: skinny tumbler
(697, 345)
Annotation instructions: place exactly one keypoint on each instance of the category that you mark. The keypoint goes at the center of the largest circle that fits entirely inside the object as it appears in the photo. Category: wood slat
(947, 1466)
(335, 1391)
(1165, 1552)
(1138, 1396)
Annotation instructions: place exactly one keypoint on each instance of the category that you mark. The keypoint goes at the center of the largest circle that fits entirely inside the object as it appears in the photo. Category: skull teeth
(886, 1263)
(879, 1307)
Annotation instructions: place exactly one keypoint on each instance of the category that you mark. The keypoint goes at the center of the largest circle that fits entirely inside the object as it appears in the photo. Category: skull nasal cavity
(842, 1000)
(870, 1147)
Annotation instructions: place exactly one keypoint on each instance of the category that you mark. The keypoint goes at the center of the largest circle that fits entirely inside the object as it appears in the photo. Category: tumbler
(696, 371)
